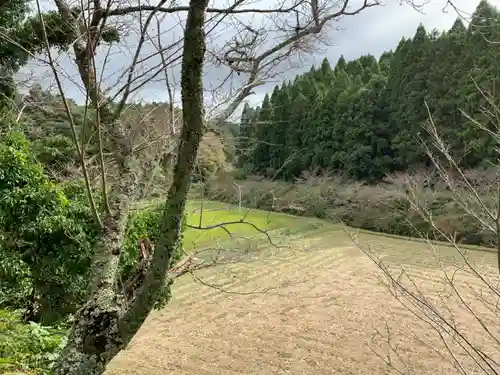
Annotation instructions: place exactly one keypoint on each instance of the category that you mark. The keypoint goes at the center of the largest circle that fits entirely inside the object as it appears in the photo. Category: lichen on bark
(107, 322)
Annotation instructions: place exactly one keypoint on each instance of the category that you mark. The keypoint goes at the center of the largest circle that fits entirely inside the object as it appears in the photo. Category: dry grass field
(311, 307)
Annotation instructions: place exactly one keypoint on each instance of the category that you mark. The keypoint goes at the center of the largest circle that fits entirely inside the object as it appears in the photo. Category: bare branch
(70, 119)
(230, 10)
(240, 221)
(136, 56)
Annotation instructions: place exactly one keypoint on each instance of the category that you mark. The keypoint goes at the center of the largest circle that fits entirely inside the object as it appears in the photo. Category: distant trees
(364, 116)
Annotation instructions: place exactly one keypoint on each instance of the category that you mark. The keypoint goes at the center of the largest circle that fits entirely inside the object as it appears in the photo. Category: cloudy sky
(373, 31)
(380, 29)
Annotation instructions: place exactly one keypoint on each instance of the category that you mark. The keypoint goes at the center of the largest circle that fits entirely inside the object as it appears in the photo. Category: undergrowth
(28, 348)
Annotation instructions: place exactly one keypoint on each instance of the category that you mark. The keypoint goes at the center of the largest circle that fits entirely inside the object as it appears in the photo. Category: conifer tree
(364, 116)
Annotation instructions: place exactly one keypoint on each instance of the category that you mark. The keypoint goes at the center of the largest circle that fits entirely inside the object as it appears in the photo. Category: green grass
(250, 229)
(254, 222)
(278, 225)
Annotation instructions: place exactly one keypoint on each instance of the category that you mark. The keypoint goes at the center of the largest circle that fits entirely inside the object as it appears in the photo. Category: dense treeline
(364, 117)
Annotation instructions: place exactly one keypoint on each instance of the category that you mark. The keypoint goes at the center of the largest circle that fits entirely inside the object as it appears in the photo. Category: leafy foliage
(59, 32)
(12, 13)
(22, 35)
(42, 231)
(47, 237)
(27, 348)
(142, 225)
(15, 279)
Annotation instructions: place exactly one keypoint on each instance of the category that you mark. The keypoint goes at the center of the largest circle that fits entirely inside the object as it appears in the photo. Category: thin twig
(70, 119)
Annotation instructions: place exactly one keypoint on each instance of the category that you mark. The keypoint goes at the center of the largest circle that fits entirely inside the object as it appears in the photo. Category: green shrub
(27, 348)
(55, 152)
(145, 224)
(15, 279)
(46, 239)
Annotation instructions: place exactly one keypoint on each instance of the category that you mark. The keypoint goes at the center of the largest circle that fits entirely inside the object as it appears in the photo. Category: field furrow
(312, 307)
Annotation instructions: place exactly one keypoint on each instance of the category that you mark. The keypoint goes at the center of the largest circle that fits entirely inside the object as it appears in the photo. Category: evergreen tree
(261, 155)
(411, 113)
(365, 117)
(341, 64)
(245, 136)
(384, 62)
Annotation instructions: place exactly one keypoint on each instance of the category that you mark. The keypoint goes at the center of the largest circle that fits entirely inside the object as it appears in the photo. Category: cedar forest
(367, 118)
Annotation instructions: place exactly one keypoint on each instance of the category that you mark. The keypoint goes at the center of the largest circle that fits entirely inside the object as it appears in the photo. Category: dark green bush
(28, 348)
(145, 224)
(46, 239)
(54, 152)
(15, 279)
(141, 225)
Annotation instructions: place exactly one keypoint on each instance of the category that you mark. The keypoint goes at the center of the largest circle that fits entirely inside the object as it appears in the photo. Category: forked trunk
(107, 323)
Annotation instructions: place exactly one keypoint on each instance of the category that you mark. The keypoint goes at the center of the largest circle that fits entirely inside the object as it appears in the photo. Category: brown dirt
(311, 309)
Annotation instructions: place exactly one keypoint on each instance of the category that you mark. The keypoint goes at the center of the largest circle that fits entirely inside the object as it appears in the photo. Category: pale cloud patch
(373, 31)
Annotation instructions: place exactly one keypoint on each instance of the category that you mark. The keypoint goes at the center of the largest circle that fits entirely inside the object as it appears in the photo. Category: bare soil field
(313, 307)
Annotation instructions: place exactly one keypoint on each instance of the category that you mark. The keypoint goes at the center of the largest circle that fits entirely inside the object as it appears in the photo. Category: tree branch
(192, 130)
(69, 115)
(136, 56)
(240, 221)
(230, 10)
(315, 29)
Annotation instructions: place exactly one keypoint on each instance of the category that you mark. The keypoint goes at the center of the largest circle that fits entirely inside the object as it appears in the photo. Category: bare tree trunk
(107, 323)
(95, 338)
(192, 131)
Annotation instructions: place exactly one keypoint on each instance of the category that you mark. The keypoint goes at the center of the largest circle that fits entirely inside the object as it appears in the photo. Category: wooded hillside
(364, 117)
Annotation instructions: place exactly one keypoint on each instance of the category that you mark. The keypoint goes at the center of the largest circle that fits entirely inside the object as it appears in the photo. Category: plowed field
(311, 307)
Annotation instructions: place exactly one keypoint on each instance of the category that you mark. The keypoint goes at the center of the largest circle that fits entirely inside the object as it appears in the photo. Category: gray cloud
(377, 30)
(373, 31)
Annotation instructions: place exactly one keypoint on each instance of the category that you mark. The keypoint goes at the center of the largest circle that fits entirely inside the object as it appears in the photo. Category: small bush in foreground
(27, 348)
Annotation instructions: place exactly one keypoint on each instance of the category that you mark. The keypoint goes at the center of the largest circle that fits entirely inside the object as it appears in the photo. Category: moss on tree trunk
(107, 323)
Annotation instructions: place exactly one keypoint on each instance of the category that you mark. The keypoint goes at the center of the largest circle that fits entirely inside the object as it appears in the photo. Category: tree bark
(94, 338)
(106, 324)
(192, 132)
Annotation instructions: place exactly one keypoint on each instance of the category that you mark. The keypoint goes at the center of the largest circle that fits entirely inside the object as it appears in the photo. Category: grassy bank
(226, 223)
(245, 223)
